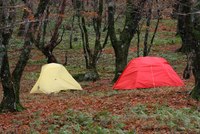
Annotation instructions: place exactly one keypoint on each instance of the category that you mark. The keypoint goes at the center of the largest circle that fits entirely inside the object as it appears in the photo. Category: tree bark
(121, 45)
(7, 20)
(148, 23)
(71, 33)
(91, 57)
(195, 46)
(11, 83)
(27, 11)
(184, 24)
(47, 48)
(195, 93)
(191, 38)
(9, 102)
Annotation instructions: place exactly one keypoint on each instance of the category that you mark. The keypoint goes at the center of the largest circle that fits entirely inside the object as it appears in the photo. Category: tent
(147, 72)
(54, 78)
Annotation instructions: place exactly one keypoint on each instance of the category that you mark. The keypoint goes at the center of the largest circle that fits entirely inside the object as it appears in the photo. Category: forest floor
(99, 108)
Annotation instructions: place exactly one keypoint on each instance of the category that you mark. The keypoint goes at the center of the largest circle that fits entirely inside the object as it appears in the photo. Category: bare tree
(11, 81)
(91, 55)
(121, 45)
(7, 19)
(47, 47)
(150, 9)
(26, 14)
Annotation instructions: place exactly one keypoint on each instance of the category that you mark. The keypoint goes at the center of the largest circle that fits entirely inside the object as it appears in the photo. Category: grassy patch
(172, 56)
(168, 22)
(107, 93)
(184, 119)
(168, 41)
(37, 62)
(16, 43)
(31, 76)
(81, 123)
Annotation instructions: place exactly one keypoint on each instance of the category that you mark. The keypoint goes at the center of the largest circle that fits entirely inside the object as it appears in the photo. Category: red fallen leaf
(23, 129)
(115, 103)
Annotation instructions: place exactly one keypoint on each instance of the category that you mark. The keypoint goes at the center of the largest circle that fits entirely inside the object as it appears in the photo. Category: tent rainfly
(147, 72)
(54, 78)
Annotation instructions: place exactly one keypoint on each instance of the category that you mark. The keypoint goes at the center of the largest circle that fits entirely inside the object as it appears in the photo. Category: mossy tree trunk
(121, 45)
(11, 82)
(195, 93)
(9, 99)
(9, 102)
(196, 50)
(120, 59)
(191, 38)
(184, 24)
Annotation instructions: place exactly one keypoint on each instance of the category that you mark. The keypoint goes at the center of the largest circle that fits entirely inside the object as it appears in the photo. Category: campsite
(150, 95)
(162, 110)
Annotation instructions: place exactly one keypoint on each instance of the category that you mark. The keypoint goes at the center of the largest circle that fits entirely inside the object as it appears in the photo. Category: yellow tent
(54, 78)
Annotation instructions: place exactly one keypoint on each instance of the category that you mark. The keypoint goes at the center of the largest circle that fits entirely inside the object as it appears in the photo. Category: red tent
(147, 72)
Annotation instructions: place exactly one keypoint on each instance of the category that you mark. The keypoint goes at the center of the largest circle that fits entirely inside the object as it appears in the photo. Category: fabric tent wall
(147, 72)
(54, 78)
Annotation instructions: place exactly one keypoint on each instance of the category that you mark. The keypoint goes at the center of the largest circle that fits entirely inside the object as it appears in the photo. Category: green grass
(168, 22)
(167, 41)
(16, 43)
(74, 69)
(103, 122)
(37, 62)
(31, 76)
(100, 94)
(161, 38)
(172, 56)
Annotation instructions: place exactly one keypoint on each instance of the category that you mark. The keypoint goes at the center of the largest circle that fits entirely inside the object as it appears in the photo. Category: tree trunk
(148, 23)
(121, 45)
(9, 100)
(11, 83)
(21, 64)
(191, 39)
(91, 57)
(7, 18)
(71, 32)
(26, 13)
(195, 93)
(47, 49)
(184, 24)
(175, 10)
(50, 56)
(120, 60)
(22, 26)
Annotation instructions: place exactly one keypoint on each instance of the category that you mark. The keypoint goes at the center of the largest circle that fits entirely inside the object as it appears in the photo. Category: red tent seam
(152, 74)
